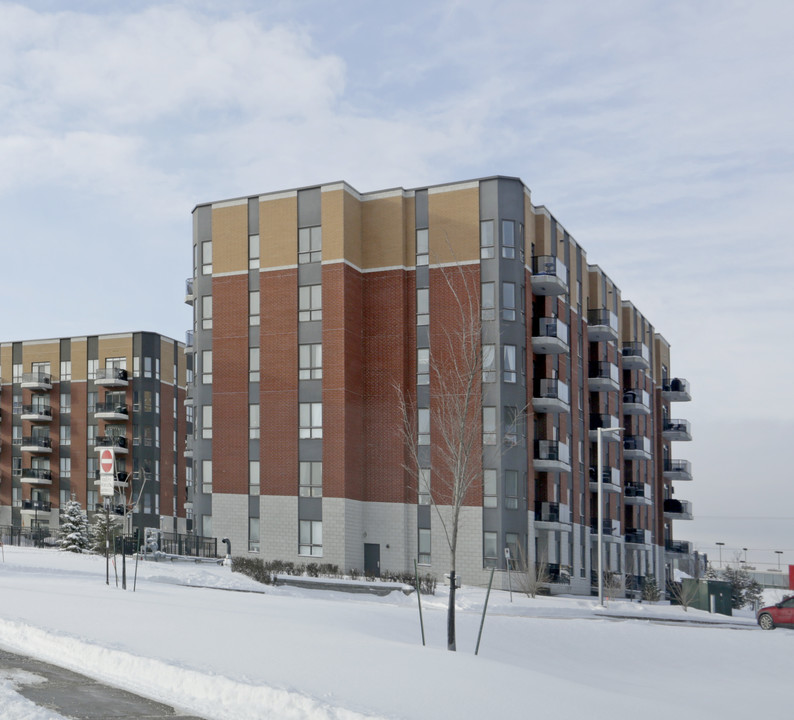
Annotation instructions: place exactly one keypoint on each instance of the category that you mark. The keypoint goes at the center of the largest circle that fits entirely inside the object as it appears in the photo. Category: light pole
(599, 469)
(719, 545)
(745, 555)
(778, 553)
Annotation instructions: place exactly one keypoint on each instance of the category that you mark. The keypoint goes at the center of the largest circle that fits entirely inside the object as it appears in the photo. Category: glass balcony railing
(36, 442)
(111, 374)
(118, 441)
(552, 389)
(111, 408)
(550, 265)
(552, 512)
(551, 328)
(602, 317)
(552, 450)
(39, 410)
(603, 370)
(636, 354)
(37, 505)
(36, 474)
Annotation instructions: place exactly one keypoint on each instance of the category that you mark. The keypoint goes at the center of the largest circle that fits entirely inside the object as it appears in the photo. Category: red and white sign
(106, 460)
(107, 471)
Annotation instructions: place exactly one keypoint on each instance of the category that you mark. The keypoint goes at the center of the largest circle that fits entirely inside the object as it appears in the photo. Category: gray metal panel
(204, 223)
(421, 215)
(423, 396)
(309, 207)
(253, 336)
(310, 508)
(253, 506)
(310, 450)
(310, 274)
(253, 216)
(423, 276)
(422, 336)
(423, 516)
(310, 332)
(310, 391)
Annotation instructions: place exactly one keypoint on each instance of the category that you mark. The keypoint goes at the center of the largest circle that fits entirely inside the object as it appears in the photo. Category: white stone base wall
(230, 520)
(5, 515)
(278, 528)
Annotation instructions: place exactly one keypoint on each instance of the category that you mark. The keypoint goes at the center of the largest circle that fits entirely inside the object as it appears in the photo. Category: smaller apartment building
(313, 306)
(63, 400)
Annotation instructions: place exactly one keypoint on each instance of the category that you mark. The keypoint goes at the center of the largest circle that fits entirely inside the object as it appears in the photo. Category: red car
(779, 615)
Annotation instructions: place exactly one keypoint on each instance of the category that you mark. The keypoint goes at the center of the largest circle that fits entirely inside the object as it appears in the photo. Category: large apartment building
(315, 309)
(63, 400)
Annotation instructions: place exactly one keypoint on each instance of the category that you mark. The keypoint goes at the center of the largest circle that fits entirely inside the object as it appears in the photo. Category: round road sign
(106, 461)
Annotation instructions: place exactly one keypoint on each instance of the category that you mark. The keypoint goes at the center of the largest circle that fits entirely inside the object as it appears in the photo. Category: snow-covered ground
(288, 653)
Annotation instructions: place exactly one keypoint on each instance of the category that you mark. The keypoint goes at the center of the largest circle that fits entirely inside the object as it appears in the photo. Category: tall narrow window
(509, 363)
(206, 367)
(310, 303)
(310, 361)
(488, 363)
(66, 370)
(508, 239)
(486, 239)
(423, 426)
(490, 551)
(488, 307)
(253, 421)
(489, 497)
(253, 534)
(93, 366)
(310, 538)
(310, 244)
(206, 421)
(424, 546)
(310, 479)
(253, 364)
(513, 425)
(253, 477)
(508, 301)
(206, 257)
(311, 420)
(66, 403)
(423, 366)
(422, 247)
(206, 312)
(511, 489)
(489, 426)
(253, 307)
(66, 435)
(424, 486)
(422, 306)
(206, 477)
(253, 252)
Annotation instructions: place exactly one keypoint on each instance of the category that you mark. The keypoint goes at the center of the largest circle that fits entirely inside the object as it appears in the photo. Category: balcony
(676, 390)
(636, 447)
(676, 430)
(557, 574)
(36, 445)
(111, 412)
(549, 276)
(598, 420)
(677, 470)
(36, 381)
(36, 476)
(678, 547)
(33, 507)
(678, 509)
(636, 402)
(549, 336)
(603, 376)
(552, 516)
(637, 494)
(36, 413)
(121, 481)
(552, 456)
(112, 377)
(188, 339)
(610, 480)
(188, 454)
(117, 442)
(610, 529)
(602, 325)
(189, 296)
(551, 396)
(636, 356)
(635, 536)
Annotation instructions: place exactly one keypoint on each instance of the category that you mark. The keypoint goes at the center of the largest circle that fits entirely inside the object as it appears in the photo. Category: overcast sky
(659, 133)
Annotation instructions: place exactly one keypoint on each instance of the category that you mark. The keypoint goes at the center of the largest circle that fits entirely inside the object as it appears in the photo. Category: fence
(27, 537)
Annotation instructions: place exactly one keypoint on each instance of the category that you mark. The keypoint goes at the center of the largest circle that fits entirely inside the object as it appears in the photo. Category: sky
(658, 134)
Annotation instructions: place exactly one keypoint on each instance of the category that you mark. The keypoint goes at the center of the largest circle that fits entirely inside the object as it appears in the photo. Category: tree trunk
(451, 613)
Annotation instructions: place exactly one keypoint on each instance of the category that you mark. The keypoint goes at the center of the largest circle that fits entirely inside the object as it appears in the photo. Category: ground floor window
(253, 535)
(310, 538)
(424, 546)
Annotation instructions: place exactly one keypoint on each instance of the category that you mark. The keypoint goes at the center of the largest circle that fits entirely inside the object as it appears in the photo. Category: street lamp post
(719, 545)
(745, 556)
(778, 553)
(599, 469)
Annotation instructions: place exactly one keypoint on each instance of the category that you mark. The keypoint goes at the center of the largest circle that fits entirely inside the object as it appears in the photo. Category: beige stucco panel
(230, 239)
(113, 348)
(79, 359)
(278, 232)
(542, 234)
(454, 220)
(341, 219)
(6, 357)
(166, 360)
(45, 352)
(385, 231)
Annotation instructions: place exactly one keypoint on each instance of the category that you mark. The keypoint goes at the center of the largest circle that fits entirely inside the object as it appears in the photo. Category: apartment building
(64, 400)
(316, 309)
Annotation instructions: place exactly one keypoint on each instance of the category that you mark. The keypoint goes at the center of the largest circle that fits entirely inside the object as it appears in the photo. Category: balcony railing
(36, 381)
(602, 324)
(556, 574)
(637, 447)
(637, 536)
(37, 413)
(189, 339)
(610, 479)
(549, 336)
(549, 276)
(678, 546)
(611, 528)
(112, 377)
(552, 512)
(636, 356)
(636, 402)
(676, 389)
(36, 444)
(551, 396)
(115, 441)
(637, 493)
(603, 376)
(36, 474)
(189, 296)
(607, 422)
(111, 411)
(677, 469)
(676, 430)
(678, 509)
(36, 505)
(552, 456)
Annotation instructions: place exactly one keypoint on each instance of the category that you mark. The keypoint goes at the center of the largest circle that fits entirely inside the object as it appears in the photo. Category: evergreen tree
(73, 534)
(711, 573)
(103, 529)
(650, 590)
(744, 590)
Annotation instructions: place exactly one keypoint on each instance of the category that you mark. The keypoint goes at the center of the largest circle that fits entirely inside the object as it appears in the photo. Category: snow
(286, 652)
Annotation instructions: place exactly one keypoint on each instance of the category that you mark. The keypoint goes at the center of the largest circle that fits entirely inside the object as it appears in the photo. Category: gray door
(372, 559)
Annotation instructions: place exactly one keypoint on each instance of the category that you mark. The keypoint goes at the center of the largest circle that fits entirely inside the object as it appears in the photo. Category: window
(206, 312)
(486, 239)
(116, 363)
(147, 504)
(253, 535)
(16, 434)
(93, 366)
(147, 367)
(65, 467)
(488, 363)
(66, 435)
(508, 301)
(206, 525)
(91, 401)
(310, 303)
(422, 306)
(423, 366)
(16, 372)
(488, 307)
(16, 470)
(516, 553)
(147, 395)
(311, 420)
(310, 361)
(16, 404)
(509, 364)
(253, 252)
(310, 538)
(490, 551)
(514, 431)
(91, 434)
(424, 486)
(489, 497)
(253, 477)
(253, 364)
(92, 499)
(253, 421)
(423, 426)
(310, 479)
(253, 307)
(206, 422)
(489, 426)
(511, 489)
(206, 257)
(422, 247)
(310, 244)
(66, 370)
(206, 477)
(508, 239)
(424, 546)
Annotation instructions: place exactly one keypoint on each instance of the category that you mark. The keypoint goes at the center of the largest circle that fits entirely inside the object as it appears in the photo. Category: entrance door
(372, 559)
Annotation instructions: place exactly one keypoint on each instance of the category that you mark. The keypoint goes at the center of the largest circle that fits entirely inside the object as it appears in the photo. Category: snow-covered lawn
(294, 653)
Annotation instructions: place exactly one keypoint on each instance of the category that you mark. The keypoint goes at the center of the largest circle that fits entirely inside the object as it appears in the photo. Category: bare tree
(531, 575)
(684, 592)
(455, 368)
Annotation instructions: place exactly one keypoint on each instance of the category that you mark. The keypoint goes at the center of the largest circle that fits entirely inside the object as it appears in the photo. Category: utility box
(709, 595)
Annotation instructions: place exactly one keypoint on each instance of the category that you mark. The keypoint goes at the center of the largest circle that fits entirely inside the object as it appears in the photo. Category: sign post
(107, 476)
